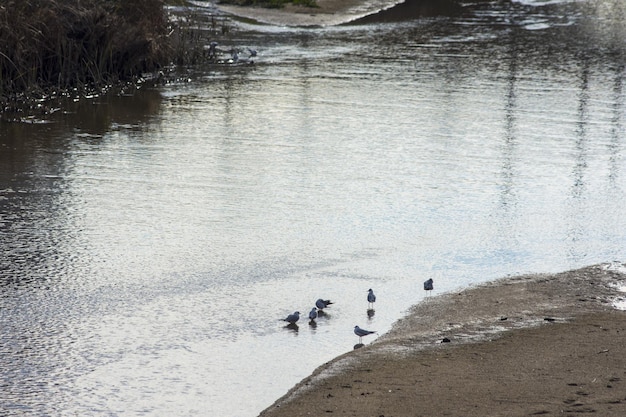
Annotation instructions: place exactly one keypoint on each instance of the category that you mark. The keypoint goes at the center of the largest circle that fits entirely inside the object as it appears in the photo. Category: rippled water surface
(150, 244)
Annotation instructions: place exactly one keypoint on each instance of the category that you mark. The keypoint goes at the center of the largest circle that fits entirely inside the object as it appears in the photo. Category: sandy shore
(328, 12)
(529, 345)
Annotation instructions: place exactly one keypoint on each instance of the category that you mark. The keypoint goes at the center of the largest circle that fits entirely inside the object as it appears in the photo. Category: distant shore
(335, 12)
(328, 12)
(528, 345)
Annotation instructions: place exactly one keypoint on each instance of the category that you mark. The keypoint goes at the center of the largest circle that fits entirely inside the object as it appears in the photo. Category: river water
(151, 242)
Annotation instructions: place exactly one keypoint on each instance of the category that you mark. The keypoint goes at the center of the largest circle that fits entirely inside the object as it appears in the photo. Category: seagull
(213, 50)
(362, 332)
(292, 318)
(252, 52)
(322, 304)
(428, 285)
(371, 298)
(313, 314)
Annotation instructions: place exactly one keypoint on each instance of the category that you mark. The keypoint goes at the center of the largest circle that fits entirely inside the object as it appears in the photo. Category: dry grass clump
(62, 44)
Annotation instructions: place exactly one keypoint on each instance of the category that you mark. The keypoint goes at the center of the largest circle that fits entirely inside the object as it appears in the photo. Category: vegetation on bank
(68, 44)
(52, 47)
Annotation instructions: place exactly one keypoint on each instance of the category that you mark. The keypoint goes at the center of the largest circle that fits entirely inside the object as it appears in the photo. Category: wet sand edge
(510, 342)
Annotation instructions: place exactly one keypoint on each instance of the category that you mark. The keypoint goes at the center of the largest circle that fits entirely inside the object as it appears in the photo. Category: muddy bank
(537, 344)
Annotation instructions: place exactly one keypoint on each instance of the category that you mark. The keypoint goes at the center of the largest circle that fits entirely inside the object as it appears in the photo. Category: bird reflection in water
(293, 327)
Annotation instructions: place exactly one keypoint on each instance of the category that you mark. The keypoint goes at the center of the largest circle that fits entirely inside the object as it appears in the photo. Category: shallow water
(152, 243)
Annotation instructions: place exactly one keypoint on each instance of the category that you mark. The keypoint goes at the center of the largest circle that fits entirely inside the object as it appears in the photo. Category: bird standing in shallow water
(313, 314)
(322, 304)
(371, 298)
(362, 332)
(293, 318)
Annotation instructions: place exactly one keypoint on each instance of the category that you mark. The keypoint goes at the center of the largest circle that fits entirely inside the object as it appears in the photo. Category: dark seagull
(428, 285)
(362, 332)
(322, 304)
(293, 318)
(371, 298)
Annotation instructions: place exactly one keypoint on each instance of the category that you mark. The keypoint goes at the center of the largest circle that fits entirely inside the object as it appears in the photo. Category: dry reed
(69, 44)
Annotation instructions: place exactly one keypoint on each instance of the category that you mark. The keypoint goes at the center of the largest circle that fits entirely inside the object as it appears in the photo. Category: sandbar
(545, 344)
(327, 12)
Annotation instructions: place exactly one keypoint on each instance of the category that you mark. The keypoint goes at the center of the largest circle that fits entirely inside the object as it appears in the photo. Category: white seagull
(362, 332)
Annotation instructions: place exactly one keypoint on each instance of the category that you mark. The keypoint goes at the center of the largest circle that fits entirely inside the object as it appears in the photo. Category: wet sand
(529, 345)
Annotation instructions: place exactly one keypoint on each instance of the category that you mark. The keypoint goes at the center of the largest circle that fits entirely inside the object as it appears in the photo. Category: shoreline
(328, 12)
(338, 12)
(545, 343)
